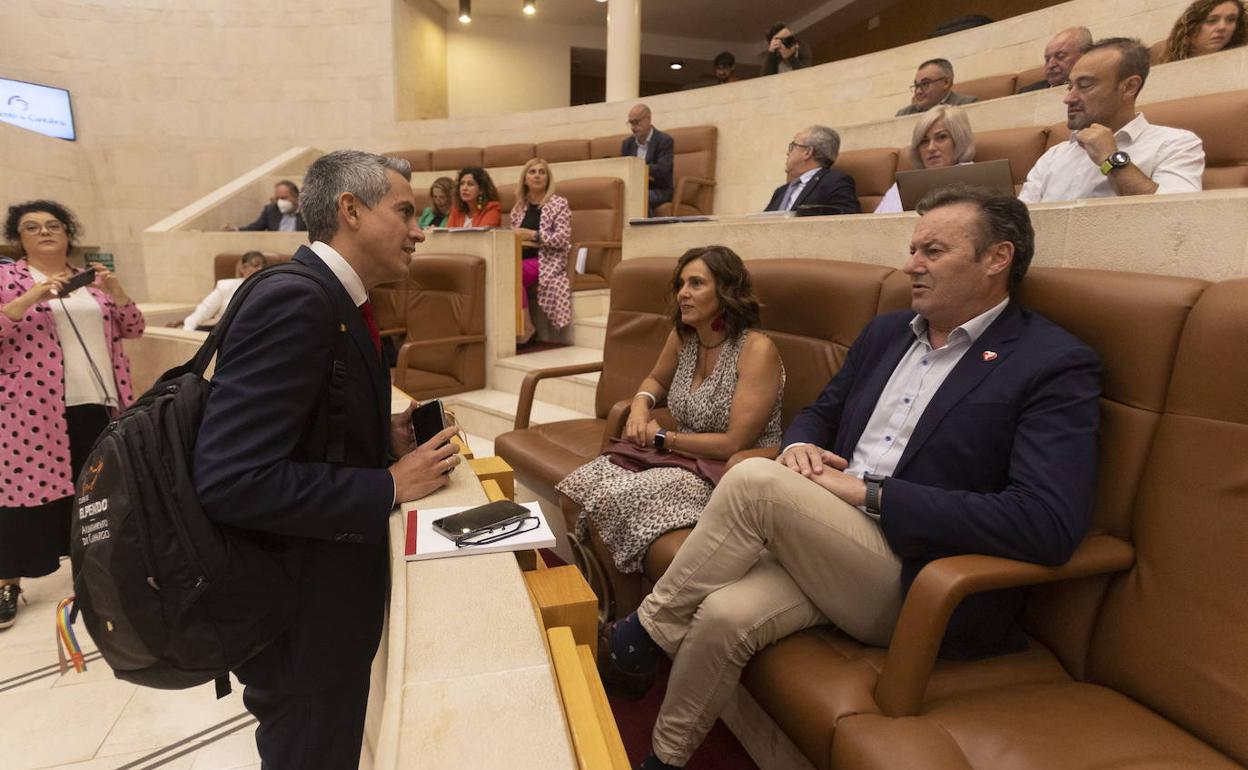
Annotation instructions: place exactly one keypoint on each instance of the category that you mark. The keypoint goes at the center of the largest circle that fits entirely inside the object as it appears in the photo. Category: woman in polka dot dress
(63, 372)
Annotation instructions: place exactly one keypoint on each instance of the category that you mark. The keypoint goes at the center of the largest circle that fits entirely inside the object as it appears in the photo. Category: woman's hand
(638, 422)
(108, 283)
(40, 291)
(526, 234)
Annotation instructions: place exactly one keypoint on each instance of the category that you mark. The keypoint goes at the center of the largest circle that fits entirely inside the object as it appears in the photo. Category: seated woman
(439, 208)
(477, 203)
(723, 384)
(544, 222)
(1207, 26)
(942, 137)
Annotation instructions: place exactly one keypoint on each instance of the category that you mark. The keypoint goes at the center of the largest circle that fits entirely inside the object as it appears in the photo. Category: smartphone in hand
(75, 282)
(427, 420)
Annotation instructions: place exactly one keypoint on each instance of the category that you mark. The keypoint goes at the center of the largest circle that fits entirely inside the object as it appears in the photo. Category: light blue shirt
(796, 187)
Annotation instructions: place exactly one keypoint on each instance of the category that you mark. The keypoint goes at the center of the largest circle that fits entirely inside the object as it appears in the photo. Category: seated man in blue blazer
(281, 214)
(654, 147)
(258, 458)
(965, 425)
(812, 182)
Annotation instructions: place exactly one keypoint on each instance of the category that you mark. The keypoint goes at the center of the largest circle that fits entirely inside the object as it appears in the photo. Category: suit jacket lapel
(809, 188)
(1001, 338)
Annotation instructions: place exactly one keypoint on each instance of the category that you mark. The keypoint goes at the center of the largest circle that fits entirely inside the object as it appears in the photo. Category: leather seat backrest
(597, 205)
(1173, 629)
(455, 158)
(874, 170)
(423, 198)
(563, 150)
(499, 155)
(1219, 120)
(226, 265)
(1134, 322)
(419, 159)
(1027, 77)
(1022, 147)
(814, 337)
(606, 146)
(991, 87)
(695, 150)
(507, 192)
(637, 326)
(445, 298)
(389, 304)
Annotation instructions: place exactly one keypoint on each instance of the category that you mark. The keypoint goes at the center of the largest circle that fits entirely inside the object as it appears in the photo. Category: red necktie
(370, 321)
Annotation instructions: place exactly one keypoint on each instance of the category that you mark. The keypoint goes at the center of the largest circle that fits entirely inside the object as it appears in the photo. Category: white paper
(431, 544)
(582, 256)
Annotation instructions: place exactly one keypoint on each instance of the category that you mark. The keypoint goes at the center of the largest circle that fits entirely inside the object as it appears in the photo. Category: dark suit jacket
(271, 219)
(1039, 85)
(256, 469)
(1002, 462)
(660, 154)
(828, 187)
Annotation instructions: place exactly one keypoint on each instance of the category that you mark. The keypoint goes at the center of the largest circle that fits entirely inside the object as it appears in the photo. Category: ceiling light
(676, 65)
(465, 11)
(530, 7)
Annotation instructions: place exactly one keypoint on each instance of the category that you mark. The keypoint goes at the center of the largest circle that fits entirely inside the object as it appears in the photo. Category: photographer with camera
(784, 51)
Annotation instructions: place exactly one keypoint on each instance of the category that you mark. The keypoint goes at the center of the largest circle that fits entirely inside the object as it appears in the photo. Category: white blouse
(81, 386)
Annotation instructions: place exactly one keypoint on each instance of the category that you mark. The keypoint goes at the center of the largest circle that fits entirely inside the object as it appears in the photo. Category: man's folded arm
(262, 407)
(1045, 510)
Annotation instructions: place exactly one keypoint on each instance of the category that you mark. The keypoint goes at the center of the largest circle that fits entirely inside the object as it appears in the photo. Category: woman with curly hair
(63, 373)
(1207, 26)
(476, 204)
(723, 383)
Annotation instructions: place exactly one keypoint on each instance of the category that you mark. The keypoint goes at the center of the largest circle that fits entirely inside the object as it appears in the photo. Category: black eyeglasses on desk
(501, 531)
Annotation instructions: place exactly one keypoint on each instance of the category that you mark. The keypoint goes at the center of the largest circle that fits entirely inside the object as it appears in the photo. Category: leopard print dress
(630, 510)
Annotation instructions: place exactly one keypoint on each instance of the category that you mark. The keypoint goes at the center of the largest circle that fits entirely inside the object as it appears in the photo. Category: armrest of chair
(524, 408)
(393, 331)
(683, 194)
(943, 583)
(408, 347)
(769, 452)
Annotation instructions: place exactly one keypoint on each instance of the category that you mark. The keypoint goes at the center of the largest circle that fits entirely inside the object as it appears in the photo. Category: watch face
(1119, 159)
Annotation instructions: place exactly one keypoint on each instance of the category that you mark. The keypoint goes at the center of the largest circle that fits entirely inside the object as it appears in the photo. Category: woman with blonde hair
(544, 222)
(942, 137)
(438, 211)
(1207, 26)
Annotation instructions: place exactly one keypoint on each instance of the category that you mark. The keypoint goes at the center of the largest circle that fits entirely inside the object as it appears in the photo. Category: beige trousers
(773, 553)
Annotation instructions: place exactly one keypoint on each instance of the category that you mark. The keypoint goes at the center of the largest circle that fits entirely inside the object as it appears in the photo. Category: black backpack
(171, 598)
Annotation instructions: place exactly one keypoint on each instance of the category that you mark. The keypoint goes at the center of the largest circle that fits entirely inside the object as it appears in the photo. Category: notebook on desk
(668, 220)
(914, 184)
(424, 542)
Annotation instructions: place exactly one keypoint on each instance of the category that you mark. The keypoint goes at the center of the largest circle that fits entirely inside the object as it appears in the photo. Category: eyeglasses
(53, 226)
(923, 85)
(635, 121)
(501, 531)
(798, 144)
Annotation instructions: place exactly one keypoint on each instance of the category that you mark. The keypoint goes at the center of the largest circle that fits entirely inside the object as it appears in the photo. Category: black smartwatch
(660, 440)
(1115, 160)
(875, 483)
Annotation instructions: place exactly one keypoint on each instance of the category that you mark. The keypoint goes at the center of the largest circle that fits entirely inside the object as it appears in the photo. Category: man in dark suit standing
(654, 147)
(965, 425)
(282, 214)
(812, 182)
(258, 457)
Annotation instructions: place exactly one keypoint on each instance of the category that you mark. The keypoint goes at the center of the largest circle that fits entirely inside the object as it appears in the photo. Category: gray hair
(362, 174)
(959, 127)
(825, 144)
(944, 65)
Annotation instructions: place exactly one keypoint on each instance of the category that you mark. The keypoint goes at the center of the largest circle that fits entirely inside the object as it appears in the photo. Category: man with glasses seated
(654, 147)
(933, 85)
(811, 182)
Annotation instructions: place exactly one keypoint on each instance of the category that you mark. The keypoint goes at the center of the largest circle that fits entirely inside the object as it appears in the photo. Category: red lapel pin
(990, 355)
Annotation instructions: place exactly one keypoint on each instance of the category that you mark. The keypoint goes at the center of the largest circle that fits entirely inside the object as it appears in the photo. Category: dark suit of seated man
(965, 425)
(656, 148)
(812, 181)
(258, 458)
(282, 214)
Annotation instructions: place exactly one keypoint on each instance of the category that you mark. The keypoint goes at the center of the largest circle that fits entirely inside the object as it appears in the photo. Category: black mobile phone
(85, 278)
(427, 420)
(481, 518)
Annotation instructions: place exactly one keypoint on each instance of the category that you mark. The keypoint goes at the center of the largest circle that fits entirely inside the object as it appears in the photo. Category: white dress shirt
(643, 146)
(208, 312)
(288, 223)
(1174, 158)
(794, 191)
(81, 385)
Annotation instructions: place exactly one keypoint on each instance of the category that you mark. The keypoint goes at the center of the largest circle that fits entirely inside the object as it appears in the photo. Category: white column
(623, 49)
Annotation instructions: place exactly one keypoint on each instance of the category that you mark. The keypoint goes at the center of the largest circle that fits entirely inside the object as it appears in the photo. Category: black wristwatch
(1115, 160)
(875, 483)
(660, 440)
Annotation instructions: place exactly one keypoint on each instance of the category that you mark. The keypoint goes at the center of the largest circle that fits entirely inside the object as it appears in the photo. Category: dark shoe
(615, 680)
(8, 604)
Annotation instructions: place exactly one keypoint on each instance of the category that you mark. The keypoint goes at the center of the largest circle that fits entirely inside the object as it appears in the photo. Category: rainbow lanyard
(67, 648)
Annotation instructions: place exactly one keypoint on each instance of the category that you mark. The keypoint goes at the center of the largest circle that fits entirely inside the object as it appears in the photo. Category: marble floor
(93, 721)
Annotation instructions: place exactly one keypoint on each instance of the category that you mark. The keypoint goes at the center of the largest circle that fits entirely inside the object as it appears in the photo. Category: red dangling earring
(718, 323)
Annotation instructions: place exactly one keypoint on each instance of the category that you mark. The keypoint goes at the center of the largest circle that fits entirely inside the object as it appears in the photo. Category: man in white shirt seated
(1112, 149)
(209, 311)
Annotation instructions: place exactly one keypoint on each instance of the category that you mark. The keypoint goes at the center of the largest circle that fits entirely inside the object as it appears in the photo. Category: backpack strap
(330, 430)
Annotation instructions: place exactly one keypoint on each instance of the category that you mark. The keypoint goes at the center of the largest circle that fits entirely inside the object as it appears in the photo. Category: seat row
(997, 86)
(1135, 655)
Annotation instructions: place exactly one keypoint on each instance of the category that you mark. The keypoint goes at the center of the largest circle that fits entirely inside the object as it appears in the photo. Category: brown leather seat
(1156, 51)
(499, 155)
(597, 205)
(563, 150)
(455, 158)
(445, 322)
(1022, 147)
(226, 265)
(991, 87)
(1158, 675)
(693, 172)
(1107, 310)
(421, 160)
(1027, 77)
(874, 170)
(606, 146)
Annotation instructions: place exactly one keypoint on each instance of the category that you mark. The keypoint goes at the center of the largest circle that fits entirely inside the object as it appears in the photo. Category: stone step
(488, 413)
(575, 392)
(589, 332)
(587, 304)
